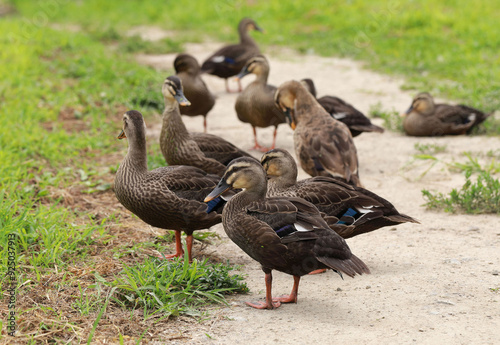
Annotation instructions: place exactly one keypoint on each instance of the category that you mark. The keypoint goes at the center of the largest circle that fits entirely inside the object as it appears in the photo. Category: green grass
(475, 197)
(427, 41)
(62, 96)
(392, 120)
(429, 149)
(175, 287)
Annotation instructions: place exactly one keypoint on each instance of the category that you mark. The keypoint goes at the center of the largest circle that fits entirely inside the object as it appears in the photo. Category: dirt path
(434, 283)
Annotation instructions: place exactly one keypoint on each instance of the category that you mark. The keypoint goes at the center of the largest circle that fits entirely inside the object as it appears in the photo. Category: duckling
(195, 89)
(229, 60)
(204, 151)
(285, 233)
(169, 197)
(361, 210)
(424, 118)
(255, 105)
(323, 145)
(344, 112)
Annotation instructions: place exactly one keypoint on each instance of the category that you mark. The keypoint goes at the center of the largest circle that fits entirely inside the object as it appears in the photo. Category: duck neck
(262, 77)
(245, 37)
(173, 127)
(136, 159)
(305, 101)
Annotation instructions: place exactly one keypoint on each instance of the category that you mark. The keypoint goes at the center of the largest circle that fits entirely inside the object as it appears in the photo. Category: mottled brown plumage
(284, 233)
(207, 152)
(358, 209)
(195, 89)
(255, 105)
(425, 118)
(169, 197)
(229, 60)
(323, 145)
(342, 111)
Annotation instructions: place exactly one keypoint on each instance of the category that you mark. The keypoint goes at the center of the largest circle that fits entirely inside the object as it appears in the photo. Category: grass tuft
(175, 287)
(392, 120)
(475, 197)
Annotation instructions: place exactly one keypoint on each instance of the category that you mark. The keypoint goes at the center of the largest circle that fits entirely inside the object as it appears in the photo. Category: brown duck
(323, 145)
(425, 118)
(285, 234)
(358, 209)
(344, 112)
(229, 60)
(169, 197)
(204, 151)
(195, 89)
(255, 105)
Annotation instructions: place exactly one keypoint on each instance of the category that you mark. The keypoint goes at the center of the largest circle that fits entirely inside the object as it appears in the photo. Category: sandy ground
(432, 283)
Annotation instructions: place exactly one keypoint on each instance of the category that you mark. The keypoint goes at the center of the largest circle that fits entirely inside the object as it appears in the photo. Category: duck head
(257, 65)
(242, 173)
(134, 126)
(279, 164)
(423, 103)
(172, 91)
(186, 63)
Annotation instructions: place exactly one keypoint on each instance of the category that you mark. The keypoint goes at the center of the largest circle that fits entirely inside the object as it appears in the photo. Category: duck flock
(296, 227)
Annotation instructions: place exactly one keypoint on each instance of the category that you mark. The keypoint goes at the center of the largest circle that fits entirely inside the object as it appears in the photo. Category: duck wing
(215, 147)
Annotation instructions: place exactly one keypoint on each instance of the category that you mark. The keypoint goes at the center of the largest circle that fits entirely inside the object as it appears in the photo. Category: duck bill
(258, 28)
(121, 135)
(288, 117)
(220, 189)
(183, 101)
(409, 110)
(243, 73)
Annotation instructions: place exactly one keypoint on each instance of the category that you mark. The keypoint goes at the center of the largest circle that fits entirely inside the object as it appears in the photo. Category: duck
(286, 234)
(344, 112)
(170, 197)
(360, 210)
(255, 105)
(229, 60)
(425, 118)
(179, 147)
(202, 100)
(323, 145)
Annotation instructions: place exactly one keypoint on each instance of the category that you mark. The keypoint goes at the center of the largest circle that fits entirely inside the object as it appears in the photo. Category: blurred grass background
(448, 47)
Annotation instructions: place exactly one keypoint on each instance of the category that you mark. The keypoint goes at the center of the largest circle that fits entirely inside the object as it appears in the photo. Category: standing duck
(255, 105)
(323, 145)
(195, 89)
(169, 197)
(424, 118)
(361, 210)
(344, 112)
(229, 60)
(181, 148)
(285, 234)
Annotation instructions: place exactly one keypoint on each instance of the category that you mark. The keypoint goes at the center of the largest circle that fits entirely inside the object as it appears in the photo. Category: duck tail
(350, 267)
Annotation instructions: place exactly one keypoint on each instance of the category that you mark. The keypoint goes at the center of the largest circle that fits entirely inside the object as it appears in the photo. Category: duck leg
(179, 252)
(270, 303)
(189, 244)
(274, 138)
(257, 146)
(205, 124)
(239, 85)
(292, 297)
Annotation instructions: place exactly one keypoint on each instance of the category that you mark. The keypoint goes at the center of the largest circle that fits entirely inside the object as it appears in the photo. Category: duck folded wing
(217, 148)
(288, 215)
(331, 151)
